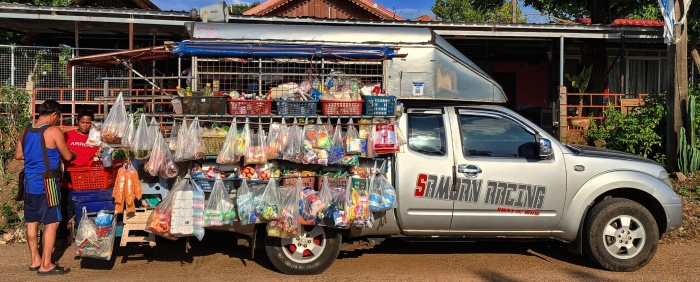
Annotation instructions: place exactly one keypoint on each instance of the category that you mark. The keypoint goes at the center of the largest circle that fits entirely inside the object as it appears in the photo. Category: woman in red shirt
(76, 140)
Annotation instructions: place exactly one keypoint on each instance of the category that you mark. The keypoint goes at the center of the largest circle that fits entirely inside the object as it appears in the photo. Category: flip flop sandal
(33, 268)
(57, 270)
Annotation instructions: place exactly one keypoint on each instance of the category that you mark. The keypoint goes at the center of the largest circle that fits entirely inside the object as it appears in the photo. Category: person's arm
(19, 154)
(56, 134)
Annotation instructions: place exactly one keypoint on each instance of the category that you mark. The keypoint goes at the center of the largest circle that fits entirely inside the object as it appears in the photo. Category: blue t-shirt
(34, 162)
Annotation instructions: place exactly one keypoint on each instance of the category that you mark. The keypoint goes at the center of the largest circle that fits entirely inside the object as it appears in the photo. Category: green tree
(238, 9)
(475, 11)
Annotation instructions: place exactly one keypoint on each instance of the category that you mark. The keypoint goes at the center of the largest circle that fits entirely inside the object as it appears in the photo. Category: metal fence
(46, 68)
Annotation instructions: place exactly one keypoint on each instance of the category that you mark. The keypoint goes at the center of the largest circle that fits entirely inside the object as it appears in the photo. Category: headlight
(663, 176)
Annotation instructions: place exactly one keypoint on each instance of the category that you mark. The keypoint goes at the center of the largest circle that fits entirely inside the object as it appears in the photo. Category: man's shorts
(37, 210)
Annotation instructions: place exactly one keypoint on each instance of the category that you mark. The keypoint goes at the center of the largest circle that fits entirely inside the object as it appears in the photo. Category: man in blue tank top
(36, 208)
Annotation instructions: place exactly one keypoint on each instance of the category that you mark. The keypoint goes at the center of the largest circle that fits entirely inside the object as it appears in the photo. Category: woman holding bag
(41, 146)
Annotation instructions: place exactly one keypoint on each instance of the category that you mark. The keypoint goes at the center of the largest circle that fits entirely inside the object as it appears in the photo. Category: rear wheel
(310, 252)
(620, 235)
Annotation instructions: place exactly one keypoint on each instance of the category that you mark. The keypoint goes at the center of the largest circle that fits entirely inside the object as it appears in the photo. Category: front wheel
(312, 251)
(620, 235)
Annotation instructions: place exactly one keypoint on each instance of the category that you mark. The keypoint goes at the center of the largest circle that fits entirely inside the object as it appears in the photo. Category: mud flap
(576, 246)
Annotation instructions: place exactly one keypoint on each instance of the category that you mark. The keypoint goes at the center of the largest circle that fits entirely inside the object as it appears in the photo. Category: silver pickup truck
(472, 169)
(482, 171)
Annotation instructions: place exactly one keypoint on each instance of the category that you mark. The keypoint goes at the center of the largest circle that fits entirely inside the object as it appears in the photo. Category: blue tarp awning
(222, 49)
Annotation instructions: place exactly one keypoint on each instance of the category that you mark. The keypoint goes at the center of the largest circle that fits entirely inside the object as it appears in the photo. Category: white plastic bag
(142, 143)
(227, 154)
(115, 123)
(220, 209)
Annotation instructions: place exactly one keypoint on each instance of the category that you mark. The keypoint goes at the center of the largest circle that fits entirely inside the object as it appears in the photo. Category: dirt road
(217, 258)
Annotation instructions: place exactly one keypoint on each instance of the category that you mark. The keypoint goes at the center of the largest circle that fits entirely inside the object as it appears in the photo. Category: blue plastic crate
(296, 108)
(380, 105)
(85, 196)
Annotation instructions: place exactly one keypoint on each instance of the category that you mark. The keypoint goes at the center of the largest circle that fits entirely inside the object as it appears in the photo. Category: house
(350, 9)
(528, 60)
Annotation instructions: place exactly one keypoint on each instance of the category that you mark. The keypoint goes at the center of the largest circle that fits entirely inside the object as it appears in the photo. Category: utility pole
(677, 96)
(513, 6)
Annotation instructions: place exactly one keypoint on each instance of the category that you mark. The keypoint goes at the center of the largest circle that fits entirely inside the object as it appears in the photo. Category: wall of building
(531, 81)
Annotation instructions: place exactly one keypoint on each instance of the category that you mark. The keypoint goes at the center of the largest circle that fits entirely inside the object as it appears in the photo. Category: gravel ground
(217, 258)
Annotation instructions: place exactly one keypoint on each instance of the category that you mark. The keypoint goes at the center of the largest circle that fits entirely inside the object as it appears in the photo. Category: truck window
(486, 136)
(426, 134)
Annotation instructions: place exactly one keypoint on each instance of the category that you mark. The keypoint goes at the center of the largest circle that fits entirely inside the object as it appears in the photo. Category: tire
(312, 252)
(620, 235)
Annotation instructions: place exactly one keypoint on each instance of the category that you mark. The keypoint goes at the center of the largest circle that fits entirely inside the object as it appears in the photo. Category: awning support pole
(562, 94)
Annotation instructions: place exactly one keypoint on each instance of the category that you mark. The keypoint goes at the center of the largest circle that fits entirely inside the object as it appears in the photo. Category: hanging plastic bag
(309, 143)
(220, 209)
(334, 214)
(353, 143)
(181, 142)
(310, 205)
(172, 142)
(154, 128)
(384, 139)
(194, 147)
(227, 154)
(350, 160)
(291, 150)
(273, 142)
(244, 202)
(243, 140)
(142, 143)
(287, 224)
(284, 138)
(160, 222)
(129, 131)
(157, 156)
(268, 207)
(247, 198)
(322, 143)
(255, 153)
(337, 150)
(359, 209)
(115, 123)
(169, 168)
(94, 135)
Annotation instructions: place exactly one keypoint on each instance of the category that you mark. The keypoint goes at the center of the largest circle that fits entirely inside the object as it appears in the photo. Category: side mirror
(544, 148)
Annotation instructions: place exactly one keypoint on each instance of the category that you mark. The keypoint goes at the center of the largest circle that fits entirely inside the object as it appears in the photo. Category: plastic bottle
(206, 91)
(189, 91)
(398, 109)
(181, 91)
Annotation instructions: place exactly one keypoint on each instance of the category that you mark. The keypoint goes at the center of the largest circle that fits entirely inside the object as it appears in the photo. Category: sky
(407, 9)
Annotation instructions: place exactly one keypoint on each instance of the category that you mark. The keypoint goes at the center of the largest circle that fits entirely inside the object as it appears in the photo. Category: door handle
(469, 169)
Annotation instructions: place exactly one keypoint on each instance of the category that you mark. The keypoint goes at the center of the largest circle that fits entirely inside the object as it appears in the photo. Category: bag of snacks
(168, 168)
(115, 123)
(242, 140)
(161, 219)
(334, 214)
(287, 224)
(94, 135)
(310, 205)
(268, 207)
(293, 146)
(95, 239)
(337, 150)
(194, 147)
(353, 143)
(273, 142)
(247, 199)
(227, 154)
(255, 153)
(142, 143)
(220, 209)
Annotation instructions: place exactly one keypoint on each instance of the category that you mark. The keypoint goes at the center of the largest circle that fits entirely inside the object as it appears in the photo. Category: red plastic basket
(291, 181)
(250, 107)
(93, 177)
(341, 108)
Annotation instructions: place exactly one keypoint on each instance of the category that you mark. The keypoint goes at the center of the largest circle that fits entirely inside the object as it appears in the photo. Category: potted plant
(580, 82)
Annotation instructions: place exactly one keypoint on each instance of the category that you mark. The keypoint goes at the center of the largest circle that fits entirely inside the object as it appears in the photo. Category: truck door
(502, 184)
(425, 172)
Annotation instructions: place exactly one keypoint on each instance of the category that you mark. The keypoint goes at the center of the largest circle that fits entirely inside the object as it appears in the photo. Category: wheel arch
(632, 185)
